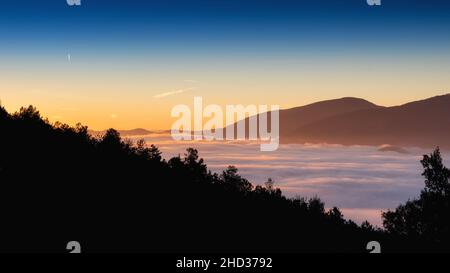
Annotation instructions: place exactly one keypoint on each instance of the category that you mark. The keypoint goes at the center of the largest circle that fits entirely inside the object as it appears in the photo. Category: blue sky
(211, 26)
(236, 51)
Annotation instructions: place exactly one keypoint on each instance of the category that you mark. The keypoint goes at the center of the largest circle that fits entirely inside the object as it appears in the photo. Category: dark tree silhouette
(428, 217)
(436, 175)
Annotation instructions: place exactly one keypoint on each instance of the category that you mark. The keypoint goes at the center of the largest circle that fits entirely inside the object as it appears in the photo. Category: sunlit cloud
(166, 94)
(191, 81)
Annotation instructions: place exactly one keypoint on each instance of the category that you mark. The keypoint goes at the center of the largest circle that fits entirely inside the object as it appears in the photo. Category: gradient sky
(132, 61)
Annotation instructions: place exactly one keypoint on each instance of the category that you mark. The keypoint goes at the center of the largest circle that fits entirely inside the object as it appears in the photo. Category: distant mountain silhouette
(423, 123)
(132, 132)
(294, 118)
(353, 121)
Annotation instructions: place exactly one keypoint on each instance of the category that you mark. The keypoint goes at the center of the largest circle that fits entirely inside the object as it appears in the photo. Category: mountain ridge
(424, 123)
(355, 121)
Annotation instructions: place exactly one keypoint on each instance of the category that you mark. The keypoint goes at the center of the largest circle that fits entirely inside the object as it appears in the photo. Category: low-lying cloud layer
(360, 180)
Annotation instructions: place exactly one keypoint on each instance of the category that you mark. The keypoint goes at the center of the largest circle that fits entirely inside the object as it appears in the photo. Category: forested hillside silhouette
(59, 184)
(427, 217)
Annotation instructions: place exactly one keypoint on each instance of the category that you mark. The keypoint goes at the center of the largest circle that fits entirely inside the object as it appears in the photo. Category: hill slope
(423, 123)
(353, 121)
(59, 184)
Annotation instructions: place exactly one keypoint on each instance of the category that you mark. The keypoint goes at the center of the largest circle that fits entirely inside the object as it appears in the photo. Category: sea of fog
(360, 180)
